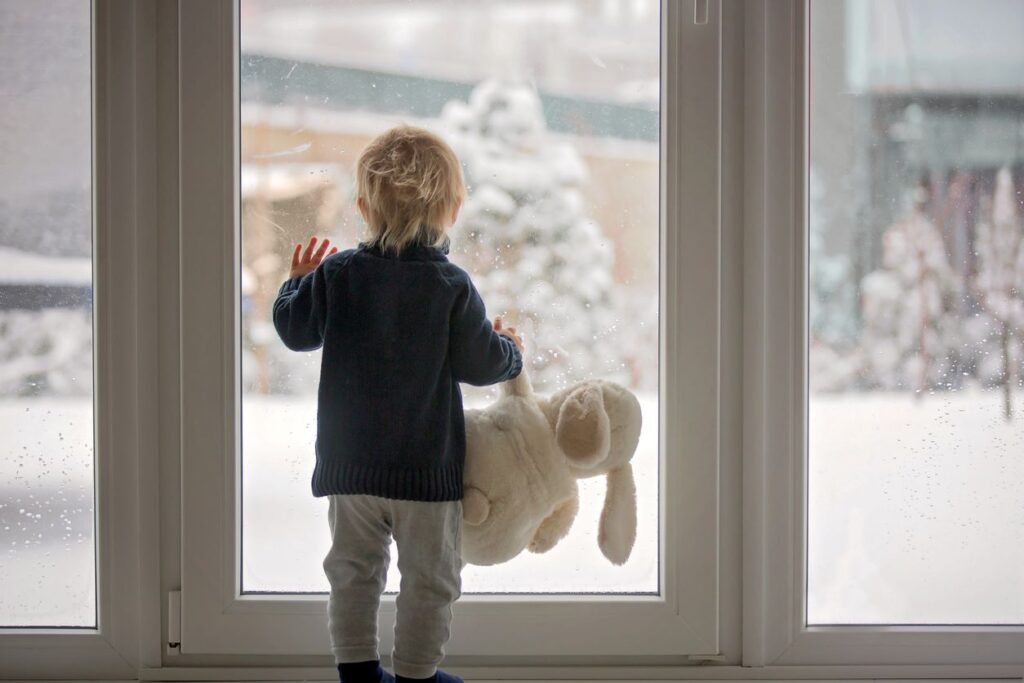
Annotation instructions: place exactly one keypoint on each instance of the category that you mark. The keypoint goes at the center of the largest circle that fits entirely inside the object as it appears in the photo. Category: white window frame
(160, 434)
(127, 634)
(683, 619)
(775, 417)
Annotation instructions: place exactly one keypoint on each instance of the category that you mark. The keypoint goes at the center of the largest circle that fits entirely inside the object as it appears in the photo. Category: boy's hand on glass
(306, 262)
(509, 332)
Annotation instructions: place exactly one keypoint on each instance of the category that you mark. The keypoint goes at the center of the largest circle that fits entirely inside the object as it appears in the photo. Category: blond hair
(411, 183)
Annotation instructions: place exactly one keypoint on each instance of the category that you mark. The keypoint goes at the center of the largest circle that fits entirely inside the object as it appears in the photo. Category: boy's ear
(361, 205)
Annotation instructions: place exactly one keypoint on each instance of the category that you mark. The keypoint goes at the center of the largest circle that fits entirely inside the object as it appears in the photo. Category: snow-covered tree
(524, 232)
(910, 309)
(999, 281)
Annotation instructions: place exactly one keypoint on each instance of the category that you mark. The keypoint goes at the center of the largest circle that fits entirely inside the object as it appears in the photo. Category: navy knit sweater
(399, 332)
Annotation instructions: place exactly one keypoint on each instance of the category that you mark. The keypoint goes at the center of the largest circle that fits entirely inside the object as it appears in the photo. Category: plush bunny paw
(555, 526)
(542, 541)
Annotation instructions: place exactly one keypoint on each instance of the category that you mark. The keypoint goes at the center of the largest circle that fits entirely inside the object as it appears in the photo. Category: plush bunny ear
(582, 429)
(618, 518)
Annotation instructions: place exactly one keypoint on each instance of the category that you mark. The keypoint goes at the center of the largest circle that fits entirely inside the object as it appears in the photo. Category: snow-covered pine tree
(998, 284)
(525, 235)
(910, 308)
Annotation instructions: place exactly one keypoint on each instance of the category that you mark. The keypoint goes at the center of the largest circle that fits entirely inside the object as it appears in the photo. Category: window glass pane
(916, 312)
(47, 554)
(553, 107)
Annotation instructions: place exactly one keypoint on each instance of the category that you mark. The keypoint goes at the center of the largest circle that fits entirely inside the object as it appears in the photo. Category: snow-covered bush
(833, 297)
(524, 233)
(981, 350)
(46, 352)
(911, 308)
(833, 369)
(834, 359)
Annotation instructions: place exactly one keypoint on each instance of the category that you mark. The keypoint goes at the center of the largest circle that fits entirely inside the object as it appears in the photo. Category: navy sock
(439, 677)
(364, 672)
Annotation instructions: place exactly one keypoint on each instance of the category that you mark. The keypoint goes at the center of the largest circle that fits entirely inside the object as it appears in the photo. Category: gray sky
(45, 88)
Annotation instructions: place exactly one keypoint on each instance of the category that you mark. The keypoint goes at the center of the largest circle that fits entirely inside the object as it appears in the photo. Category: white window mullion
(773, 144)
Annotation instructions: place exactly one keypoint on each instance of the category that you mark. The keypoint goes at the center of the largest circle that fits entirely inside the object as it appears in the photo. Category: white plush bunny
(524, 454)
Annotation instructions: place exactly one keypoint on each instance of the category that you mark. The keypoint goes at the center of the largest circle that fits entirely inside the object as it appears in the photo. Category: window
(78, 339)
(916, 313)
(858, 453)
(47, 540)
(556, 120)
(303, 107)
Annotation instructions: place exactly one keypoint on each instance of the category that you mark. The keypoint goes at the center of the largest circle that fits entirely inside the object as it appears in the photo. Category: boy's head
(408, 188)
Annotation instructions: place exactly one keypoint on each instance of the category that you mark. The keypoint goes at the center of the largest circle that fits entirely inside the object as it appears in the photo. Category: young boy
(400, 327)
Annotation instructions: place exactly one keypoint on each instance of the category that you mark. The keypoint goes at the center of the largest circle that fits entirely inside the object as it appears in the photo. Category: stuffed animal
(524, 454)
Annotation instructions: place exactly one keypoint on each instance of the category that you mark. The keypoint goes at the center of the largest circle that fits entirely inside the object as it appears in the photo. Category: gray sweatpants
(428, 536)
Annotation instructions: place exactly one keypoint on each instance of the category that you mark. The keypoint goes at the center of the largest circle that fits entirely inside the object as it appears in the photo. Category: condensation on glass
(916, 312)
(47, 551)
(553, 108)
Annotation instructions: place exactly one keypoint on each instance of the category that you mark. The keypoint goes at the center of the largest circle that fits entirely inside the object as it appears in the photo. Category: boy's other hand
(509, 332)
(306, 262)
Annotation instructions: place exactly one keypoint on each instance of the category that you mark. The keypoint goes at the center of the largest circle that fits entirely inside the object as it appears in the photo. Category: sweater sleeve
(479, 355)
(300, 311)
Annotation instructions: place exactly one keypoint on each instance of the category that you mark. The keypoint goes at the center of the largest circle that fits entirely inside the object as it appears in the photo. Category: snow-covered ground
(282, 519)
(915, 512)
(915, 509)
(47, 574)
(22, 267)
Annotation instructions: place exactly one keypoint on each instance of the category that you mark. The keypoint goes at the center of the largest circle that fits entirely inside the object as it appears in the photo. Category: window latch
(700, 12)
(174, 622)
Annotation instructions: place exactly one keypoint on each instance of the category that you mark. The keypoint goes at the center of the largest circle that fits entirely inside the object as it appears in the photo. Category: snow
(46, 534)
(832, 295)
(914, 512)
(46, 352)
(911, 308)
(999, 282)
(19, 267)
(282, 519)
(914, 509)
(923, 323)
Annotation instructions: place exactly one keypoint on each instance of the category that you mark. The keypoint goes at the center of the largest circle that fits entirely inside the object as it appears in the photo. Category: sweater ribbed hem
(428, 485)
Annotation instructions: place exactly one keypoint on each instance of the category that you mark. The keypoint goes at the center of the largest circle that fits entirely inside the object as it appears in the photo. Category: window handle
(700, 12)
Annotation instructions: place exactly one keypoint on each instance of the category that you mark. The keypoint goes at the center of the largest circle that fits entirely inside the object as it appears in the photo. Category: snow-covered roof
(26, 268)
(281, 181)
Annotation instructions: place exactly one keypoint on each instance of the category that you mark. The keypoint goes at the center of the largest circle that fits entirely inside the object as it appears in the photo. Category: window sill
(622, 674)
